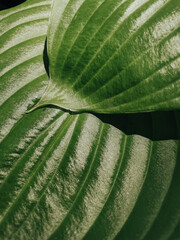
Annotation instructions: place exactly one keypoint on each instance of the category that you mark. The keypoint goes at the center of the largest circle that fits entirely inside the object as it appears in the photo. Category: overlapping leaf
(66, 176)
(114, 56)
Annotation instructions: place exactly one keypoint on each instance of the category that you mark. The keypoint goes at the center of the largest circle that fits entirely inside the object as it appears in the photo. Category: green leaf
(114, 56)
(69, 176)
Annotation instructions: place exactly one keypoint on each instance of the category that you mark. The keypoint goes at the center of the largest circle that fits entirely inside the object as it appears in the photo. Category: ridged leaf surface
(69, 176)
(114, 56)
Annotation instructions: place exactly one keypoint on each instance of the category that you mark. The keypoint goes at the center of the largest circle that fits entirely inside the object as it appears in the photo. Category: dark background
(4, 4)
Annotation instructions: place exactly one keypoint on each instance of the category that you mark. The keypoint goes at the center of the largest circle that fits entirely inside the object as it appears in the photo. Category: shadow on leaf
(152, 125)
(5, 4)
(45, 57)
(155, 125)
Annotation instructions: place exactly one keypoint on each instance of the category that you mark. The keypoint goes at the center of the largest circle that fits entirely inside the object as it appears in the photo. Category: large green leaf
(114, 56)
(68, 176)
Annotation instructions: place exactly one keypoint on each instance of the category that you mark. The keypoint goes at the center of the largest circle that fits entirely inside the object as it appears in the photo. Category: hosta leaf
(69, 176)
(114, 56)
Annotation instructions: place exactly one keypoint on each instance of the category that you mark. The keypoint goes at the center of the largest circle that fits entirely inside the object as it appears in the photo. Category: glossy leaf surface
(114, 56)
(66, 176)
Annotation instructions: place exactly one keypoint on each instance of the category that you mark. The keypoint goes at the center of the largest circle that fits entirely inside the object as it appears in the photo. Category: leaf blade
(128, 68)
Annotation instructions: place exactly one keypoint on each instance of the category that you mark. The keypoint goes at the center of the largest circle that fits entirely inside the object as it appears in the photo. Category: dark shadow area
(153, 125)
(5, 4)
(140, 124)
(45, 57)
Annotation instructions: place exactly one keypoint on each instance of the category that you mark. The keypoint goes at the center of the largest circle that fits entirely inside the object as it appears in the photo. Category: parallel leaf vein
(84, 181)
(51, 179)
(125, 42)
(125, 138)
(36, 170)
(130, 64)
